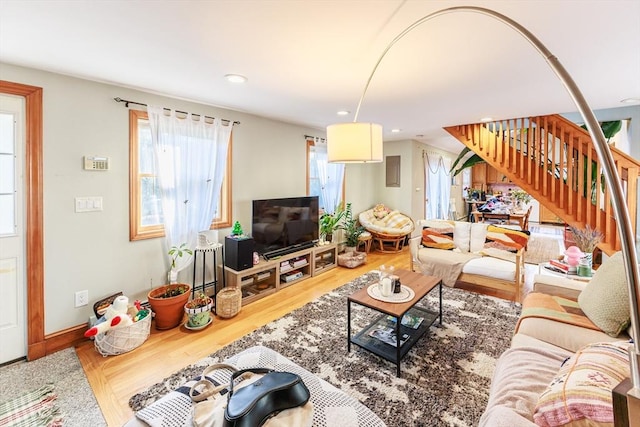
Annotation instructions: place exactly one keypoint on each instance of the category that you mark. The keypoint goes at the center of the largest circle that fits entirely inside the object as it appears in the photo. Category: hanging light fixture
(354, 143)
(362, 142)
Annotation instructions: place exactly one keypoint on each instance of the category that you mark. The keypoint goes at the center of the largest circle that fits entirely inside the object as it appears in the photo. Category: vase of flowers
(522, 198)
(587, 240)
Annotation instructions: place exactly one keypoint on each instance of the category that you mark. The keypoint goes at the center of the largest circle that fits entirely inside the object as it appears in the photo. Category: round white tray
(406, 294)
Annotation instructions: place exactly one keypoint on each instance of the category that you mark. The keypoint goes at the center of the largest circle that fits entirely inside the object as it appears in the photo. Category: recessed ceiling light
(486, 119)
(395, 130)
(235, 78)
(630, 100)
(343, 112)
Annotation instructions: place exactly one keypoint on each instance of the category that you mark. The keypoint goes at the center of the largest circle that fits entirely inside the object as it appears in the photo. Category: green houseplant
(352, 229)
(330, 222)
(167, 301)
(198, 311)
(176, 252)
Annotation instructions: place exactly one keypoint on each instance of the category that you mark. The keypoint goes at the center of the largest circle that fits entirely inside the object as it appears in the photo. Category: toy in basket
(122, 328)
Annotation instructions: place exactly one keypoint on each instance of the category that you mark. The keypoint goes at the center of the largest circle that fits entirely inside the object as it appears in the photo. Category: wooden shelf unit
(267, 277)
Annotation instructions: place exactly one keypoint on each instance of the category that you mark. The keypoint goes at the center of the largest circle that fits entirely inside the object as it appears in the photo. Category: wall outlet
(82, 298)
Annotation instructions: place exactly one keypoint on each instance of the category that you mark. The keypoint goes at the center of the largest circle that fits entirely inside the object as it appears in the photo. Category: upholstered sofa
(478, 253)
(562, 366)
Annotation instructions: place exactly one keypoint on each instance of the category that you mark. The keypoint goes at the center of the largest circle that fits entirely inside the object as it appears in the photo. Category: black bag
(252, 405)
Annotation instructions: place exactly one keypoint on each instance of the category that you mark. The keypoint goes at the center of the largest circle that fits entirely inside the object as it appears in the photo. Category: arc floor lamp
(362, 142)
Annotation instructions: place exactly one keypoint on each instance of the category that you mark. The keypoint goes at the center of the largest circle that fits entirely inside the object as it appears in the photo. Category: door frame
(36, 345)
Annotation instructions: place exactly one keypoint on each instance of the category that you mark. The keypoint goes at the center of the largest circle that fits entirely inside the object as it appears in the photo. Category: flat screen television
(281, 226)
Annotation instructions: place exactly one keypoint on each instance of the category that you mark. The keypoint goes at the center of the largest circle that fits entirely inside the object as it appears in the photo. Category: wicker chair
(389, 229)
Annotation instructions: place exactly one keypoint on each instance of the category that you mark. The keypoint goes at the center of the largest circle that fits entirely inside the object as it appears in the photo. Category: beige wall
(92, 250)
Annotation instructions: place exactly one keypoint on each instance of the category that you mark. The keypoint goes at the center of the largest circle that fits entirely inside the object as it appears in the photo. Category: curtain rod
(127, 102)
(316, 138)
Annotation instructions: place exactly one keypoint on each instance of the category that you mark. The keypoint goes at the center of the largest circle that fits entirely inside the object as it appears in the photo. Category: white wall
(92, 250)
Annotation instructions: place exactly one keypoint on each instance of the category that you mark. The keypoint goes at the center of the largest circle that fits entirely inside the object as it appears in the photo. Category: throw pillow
(478, 236)
(605, 299)
(505, 239)
(462, 235)
(438, 236)
(580, 394)
(380, 211)
(397, 220)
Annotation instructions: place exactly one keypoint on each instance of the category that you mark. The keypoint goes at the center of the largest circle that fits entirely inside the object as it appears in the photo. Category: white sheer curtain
(331, 176)
(190, 157)
(438, 185)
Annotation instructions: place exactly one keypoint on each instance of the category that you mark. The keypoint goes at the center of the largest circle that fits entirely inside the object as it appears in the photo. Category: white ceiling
(307, 59)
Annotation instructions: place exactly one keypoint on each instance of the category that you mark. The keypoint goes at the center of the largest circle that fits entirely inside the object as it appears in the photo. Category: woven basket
(228, 302)
(352, 259)
(121, 340)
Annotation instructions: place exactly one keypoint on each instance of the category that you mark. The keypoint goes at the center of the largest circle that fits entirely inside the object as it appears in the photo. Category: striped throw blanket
(36, 408)
(556, 308)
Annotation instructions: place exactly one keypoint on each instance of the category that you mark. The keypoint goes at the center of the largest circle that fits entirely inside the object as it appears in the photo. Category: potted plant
(167, 302)
(521, 197)
(329, 222)
(176, 252)
(352, 229)
(198, 311)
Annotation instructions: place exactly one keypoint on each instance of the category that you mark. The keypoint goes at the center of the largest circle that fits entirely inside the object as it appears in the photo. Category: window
(331, 194)
(145, 210)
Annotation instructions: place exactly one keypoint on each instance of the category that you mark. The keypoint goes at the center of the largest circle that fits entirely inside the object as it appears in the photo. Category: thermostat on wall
(96, 163)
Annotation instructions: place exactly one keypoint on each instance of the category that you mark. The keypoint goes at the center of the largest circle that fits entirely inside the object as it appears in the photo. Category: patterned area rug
(445, 377)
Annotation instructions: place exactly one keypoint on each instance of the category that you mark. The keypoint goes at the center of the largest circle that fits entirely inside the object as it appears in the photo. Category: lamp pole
(627, 237)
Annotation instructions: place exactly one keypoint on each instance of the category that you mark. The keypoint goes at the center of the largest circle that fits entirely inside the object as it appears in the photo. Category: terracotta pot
(169, 311)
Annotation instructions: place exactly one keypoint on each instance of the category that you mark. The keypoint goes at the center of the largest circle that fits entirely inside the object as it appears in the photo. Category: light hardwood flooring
(115, 379)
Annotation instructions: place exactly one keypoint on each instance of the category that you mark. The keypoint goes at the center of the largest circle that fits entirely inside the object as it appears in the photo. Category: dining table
(518, 217)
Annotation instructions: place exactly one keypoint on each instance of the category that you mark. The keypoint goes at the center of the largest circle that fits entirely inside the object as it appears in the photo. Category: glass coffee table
(400, 324)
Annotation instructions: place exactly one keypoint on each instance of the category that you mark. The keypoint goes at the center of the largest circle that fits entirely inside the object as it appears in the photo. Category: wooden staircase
(549, 157)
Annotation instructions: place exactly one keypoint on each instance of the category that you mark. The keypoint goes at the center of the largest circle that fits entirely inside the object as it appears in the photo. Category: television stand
(270, 276)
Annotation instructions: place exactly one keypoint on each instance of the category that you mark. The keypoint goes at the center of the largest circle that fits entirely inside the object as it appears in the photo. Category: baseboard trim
(64, 339)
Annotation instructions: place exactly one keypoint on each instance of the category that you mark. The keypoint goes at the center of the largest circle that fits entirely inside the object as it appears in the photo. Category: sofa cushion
(491, 267)
(438, 236)
(505, 239)
(580, 393)
(605, 299)
(520, 376)
(563, 335)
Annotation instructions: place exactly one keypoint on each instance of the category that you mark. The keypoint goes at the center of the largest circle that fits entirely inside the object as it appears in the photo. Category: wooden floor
(115, 379)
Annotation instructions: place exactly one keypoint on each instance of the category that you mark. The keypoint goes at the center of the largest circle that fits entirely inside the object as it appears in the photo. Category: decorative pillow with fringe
(438, 236)
(580, 394)
(505, 239)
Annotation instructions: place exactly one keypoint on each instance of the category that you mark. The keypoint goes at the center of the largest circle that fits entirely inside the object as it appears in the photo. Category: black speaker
(238, 252)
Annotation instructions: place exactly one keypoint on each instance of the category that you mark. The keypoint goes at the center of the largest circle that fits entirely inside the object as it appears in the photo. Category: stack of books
(560, 265)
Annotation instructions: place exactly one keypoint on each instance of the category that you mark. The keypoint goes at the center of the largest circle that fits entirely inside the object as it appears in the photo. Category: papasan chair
(389, 228)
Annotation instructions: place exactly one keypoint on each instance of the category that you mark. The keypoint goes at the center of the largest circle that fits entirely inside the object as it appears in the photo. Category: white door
(13, 336)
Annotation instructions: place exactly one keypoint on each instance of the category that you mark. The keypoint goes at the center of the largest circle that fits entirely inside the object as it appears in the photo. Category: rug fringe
(35, 408)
